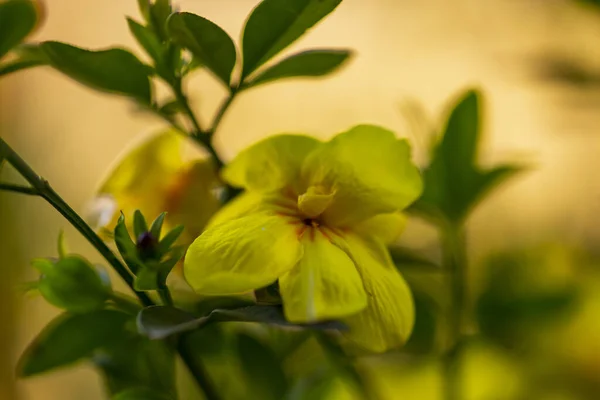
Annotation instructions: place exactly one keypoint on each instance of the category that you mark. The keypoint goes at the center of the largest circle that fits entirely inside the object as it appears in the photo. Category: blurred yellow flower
(316, 217)
(158, 176)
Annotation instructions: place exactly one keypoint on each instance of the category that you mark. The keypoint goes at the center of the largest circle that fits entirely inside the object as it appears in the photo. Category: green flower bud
(72, 283)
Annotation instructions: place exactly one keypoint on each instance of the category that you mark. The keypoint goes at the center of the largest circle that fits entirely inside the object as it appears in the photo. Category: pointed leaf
(207, 42)
(126, 246)
(17, 19)
(454, 181)
(146, 38)
(113, 70)
(311, 63)
(275, 24)
(156, 227)
(169, 239)
(159, 322)
(70, 338)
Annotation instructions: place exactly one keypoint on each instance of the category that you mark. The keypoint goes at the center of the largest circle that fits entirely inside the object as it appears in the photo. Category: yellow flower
(316, 217)
(156, 176)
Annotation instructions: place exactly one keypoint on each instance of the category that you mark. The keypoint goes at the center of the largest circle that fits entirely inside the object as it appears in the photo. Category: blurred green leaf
(70, 338)
(113, 70)
(311, 63)
(159, 13)
(262, 369)
(17, 19)
(140, 394)
(207, 42)
(454, 182)
(275, 24)
(159, 322)
(72, 284)
(147, 39)
(24, 56)
(403, 256)
(136, 362)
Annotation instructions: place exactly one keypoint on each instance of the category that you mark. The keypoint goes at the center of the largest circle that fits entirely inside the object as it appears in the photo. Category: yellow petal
(244, 204)
(324, 285)
(190, 199)
(242, 254)
(270, 164)
(370, 171)
(388, 320)
(385, 227)
(314, 201)
(141, 176)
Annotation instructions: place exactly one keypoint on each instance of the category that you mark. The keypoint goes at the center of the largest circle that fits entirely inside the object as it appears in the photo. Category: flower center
(316, 200)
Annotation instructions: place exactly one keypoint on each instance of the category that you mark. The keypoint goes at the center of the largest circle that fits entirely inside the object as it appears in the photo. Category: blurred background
(538, 63)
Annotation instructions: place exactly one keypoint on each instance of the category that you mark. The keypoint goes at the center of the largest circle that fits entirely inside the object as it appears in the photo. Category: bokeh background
(538, 63)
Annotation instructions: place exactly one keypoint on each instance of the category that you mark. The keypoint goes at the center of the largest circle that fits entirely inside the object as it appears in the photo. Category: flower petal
(323, 285)
(242, 205)
(270, 164)
(388, 320)
(242, 254)
(385, 227)
(370, 171)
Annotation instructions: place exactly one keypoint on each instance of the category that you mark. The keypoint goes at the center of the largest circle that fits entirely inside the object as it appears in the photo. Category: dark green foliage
(210, 44)
(262, 369)
(310, 63)
(454, 180)
(113, 70)
(275, 24)
(70, 338)
(17, 20)
(159, 322)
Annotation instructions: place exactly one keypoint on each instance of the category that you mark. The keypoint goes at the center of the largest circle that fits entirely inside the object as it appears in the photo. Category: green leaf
(126, 246)
(169, 239)
(206, 41)
(311, 63)
(159, 322)
(157, 224)
(147, 39)
(139, 224)
(17, 20)
(275, 24)
(113, 70)
(73, 284)
(140, 394)
(70, 338)
(262, 369)
(135, 362)
(24, 56)
(454, 180)
(403, 256)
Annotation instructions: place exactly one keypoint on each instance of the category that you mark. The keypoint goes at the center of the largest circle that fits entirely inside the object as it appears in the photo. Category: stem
(223, 109)
(197, 369)
(454, 254)
(42, 187)
(19, 189)
(186, 107)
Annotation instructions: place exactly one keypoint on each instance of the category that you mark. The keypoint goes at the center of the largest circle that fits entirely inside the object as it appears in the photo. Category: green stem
(223, 109)
(124, 303)
(455, 263)
(44, 190)
(19, 189)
